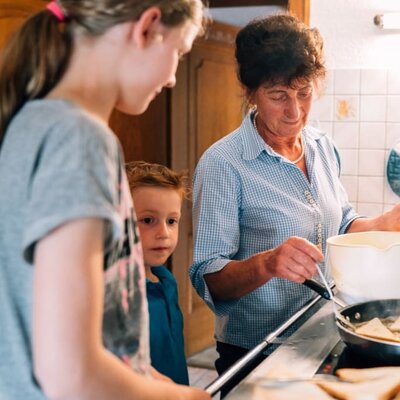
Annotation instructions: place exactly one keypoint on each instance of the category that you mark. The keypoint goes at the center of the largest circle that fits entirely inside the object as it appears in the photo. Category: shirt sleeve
(348, 212)
(216, 205)
(75, 176)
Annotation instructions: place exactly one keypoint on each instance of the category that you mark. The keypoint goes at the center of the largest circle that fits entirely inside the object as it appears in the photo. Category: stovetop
(343, 357)
(316, 347)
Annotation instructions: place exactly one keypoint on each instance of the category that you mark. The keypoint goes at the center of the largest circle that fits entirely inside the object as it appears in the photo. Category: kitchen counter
(302, 353)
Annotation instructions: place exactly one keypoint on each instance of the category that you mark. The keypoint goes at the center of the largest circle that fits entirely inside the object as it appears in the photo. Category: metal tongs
(326, 292)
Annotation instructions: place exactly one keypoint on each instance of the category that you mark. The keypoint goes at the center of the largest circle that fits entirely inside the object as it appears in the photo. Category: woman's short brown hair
(279, 49)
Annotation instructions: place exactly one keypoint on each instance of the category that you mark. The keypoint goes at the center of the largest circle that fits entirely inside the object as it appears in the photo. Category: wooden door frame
(301, 9)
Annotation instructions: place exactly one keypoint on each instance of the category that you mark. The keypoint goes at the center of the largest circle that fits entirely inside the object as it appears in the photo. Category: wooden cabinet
(14, 12)
(145, 137)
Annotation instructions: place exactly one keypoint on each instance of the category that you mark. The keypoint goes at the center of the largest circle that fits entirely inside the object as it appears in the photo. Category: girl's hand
(159, 376)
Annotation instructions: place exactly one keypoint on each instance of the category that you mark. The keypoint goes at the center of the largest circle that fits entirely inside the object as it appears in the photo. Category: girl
(74, 318)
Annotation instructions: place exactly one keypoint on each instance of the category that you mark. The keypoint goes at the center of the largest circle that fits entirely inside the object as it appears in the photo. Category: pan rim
(357, 336)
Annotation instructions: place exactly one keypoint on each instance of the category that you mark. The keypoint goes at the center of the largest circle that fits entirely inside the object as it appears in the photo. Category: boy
(157, 194)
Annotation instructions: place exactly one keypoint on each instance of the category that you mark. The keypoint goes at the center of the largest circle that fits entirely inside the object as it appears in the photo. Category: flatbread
(365, 374)
(377, 330)
(301, 390)
(395, 327)
(397, 397)
(377, 389)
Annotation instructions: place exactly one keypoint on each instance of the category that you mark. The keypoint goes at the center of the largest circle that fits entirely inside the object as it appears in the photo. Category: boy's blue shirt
(166, 327)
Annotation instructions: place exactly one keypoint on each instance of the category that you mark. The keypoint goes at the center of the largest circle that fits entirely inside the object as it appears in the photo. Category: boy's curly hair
(144, 174)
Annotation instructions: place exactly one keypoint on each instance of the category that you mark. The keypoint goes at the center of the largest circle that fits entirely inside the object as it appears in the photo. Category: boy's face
(158, 212)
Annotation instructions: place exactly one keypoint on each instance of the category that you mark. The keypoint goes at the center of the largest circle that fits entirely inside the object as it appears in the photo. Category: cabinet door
(14, 12)
(144, 137)
(206, 105)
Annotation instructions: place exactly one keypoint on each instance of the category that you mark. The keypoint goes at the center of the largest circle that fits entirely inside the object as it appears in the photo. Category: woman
(268, 195)
(75, 323)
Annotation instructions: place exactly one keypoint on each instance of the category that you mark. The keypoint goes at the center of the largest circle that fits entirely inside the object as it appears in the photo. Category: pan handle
(322, 291)
(317, 287)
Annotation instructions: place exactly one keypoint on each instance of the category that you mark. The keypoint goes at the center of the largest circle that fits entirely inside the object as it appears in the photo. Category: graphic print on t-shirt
(125, 323)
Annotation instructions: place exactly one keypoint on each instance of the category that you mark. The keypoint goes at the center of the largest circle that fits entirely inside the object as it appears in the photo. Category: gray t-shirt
(59, 163)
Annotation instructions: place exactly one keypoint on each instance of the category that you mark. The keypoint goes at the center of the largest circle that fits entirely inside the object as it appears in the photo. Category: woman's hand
(294, 259)
(388, 221)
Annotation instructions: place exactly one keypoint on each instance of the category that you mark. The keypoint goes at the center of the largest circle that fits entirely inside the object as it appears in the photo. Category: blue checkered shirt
(248, 199)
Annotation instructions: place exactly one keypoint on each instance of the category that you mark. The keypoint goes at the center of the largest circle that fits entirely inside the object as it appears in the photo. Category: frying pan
(383, 352)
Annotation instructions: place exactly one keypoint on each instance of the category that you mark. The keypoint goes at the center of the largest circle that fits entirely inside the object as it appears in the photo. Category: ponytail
(32, 63)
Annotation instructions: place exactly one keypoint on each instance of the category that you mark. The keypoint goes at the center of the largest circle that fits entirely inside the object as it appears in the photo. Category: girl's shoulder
(61, 124)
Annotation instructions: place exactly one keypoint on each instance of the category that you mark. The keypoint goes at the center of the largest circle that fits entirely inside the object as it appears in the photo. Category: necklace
(301, 141)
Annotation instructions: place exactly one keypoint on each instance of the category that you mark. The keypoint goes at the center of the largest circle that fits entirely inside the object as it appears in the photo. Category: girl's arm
(70, 361)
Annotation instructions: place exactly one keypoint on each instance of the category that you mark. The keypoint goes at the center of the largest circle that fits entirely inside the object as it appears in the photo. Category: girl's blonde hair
(38, 54)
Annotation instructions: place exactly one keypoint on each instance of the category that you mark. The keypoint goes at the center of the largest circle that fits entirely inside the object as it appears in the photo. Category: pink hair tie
(55, 9)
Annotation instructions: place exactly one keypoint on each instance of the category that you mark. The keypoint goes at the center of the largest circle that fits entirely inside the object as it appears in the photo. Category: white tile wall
(373, 108)
(345, 134)
(361, 112)
(373, 81)
(370, 189)
(372, 135)
(392, 134)
(393, 82)
(349, 161)
(323, 108)
(347, 81)
(350, 183)
(371, 162)
(393, 104)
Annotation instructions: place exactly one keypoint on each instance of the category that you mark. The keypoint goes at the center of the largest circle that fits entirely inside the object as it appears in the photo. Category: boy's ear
(146, 28)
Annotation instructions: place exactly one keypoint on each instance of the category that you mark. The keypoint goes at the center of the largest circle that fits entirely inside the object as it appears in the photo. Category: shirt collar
(253, 144)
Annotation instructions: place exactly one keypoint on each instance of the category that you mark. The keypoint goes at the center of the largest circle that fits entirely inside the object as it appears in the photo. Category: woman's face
(283, 110)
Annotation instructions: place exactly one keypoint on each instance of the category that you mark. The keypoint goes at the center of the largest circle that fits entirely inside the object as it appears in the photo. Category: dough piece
(397, 397)
(395, 327)
(366, 374)
(377, 389)
(301, 390)
(376, 329)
